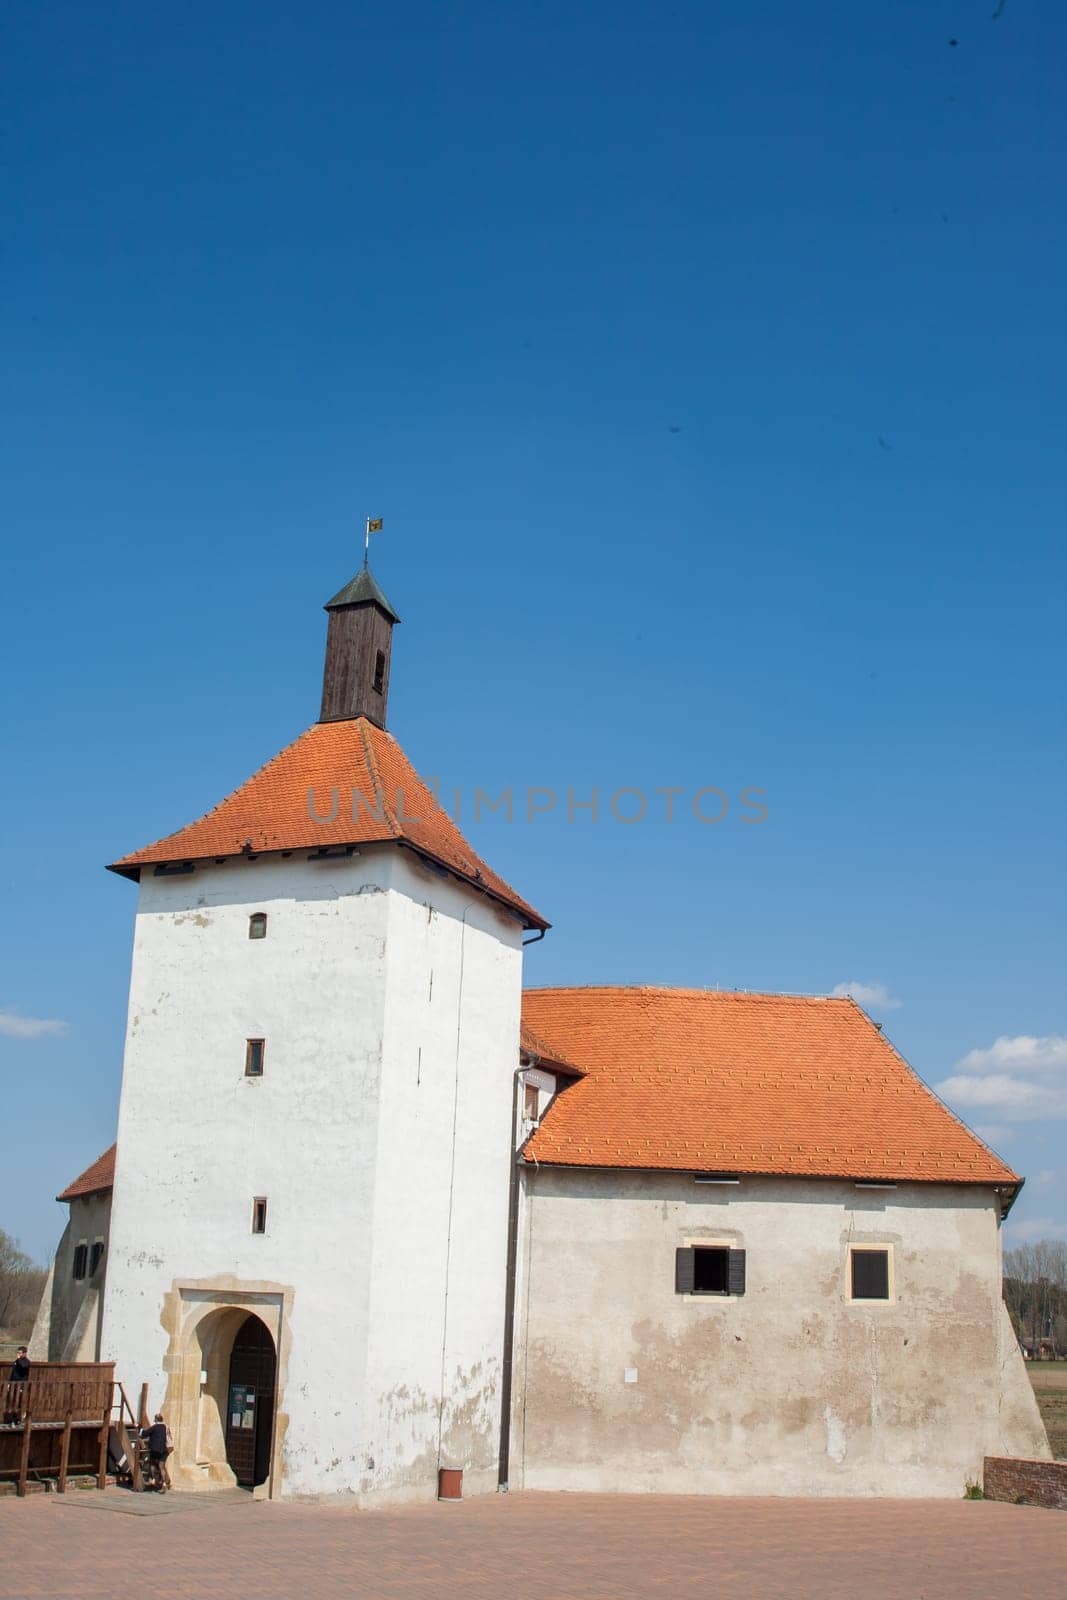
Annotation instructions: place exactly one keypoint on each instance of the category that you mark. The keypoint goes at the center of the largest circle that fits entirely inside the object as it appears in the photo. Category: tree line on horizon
(21, 1284)
(1035, 1291)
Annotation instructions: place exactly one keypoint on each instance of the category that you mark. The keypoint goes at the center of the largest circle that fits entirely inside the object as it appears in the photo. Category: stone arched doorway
(227, 1359)
(249, 1424)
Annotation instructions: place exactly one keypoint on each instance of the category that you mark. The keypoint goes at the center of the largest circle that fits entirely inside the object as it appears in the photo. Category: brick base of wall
(1032, 1483)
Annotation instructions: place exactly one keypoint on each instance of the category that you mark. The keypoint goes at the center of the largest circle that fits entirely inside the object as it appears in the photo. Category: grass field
(1049, 1379)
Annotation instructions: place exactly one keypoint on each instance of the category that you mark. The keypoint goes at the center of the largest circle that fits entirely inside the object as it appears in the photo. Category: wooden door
(250, 1403)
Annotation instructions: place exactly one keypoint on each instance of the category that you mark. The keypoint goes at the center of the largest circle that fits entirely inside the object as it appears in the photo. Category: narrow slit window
(530, 1101)
(257, 925)
(96, 1256)
(259, 1214)
(81, 1258)
(379, 672)
(869, 1275)
(254, 1051)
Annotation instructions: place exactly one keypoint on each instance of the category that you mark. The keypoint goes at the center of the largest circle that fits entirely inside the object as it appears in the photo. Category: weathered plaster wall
(68, 1321)
(348, 1135)
(453, 995)
(788, 1389)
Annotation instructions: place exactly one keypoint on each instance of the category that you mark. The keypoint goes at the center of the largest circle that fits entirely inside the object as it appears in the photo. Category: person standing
(158, 1435)
(20, 1373)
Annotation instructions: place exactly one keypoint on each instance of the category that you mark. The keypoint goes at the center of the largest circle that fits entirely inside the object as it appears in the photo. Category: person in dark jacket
(20, 1373)
(157, 1453)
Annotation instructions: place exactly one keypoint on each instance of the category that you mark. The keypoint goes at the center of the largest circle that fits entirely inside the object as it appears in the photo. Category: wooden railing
(49, 1400)
(54, 1409)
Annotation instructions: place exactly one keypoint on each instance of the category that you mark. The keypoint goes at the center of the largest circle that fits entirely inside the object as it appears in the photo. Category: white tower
(307, 1259)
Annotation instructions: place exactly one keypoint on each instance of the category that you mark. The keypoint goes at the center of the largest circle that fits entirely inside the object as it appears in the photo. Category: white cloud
(1013, 1098)
(1023, 1053)
(1035, 1228)
(1020, 1078)
(875, 996)
(16, 1027)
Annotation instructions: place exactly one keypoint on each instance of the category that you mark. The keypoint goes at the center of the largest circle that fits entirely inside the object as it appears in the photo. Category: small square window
(257, 925)
(259, 1214)
(81, 1260)
(254, 1050)
(869, 1274)
(711, 1271)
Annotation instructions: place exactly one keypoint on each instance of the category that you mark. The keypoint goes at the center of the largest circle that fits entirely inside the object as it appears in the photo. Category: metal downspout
(509, 1290)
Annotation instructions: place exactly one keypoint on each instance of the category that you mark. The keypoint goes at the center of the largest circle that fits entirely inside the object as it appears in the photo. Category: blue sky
(706, 364)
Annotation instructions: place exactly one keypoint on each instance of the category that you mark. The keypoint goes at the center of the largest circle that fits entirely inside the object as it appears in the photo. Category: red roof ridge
(977, 1137)
(375, 772)
(695, 994)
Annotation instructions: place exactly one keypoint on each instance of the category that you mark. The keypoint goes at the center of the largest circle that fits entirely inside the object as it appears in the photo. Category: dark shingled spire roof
(362, 588)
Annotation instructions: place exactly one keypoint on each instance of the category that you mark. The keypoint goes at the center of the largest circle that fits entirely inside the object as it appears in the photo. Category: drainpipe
(509, 1290)
(451, 1191)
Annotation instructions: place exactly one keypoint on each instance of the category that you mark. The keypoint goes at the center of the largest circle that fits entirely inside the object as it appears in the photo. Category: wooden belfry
(359, 643)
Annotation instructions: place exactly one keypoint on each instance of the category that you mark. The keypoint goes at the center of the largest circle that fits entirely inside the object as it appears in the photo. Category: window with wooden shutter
(683, 1271)
(709, 1269)
(736, 1272)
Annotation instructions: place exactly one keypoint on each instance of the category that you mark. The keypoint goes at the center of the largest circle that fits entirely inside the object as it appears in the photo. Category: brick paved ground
(537, 1547)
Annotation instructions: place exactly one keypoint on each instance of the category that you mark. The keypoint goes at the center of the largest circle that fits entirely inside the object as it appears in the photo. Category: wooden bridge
(60, 1421)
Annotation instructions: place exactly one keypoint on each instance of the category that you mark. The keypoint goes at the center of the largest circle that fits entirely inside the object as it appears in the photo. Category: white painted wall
(789, 1389)
(453, 996)
(347, 1138)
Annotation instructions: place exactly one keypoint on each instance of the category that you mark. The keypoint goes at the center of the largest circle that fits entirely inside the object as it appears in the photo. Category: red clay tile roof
(691, 1080)
(532, 1044)
(97, 1179)
(272, 810)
